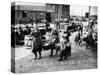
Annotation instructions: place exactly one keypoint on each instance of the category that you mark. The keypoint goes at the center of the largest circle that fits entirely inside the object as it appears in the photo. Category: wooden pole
(89, 14)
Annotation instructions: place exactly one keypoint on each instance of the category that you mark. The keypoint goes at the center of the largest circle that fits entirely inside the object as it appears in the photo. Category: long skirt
(66, 52)
(37, 46)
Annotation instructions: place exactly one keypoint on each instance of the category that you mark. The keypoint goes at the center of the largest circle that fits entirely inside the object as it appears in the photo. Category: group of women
(89, 36)
(59, 41)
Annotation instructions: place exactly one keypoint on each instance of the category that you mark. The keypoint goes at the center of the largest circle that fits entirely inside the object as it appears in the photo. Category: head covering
(64, 35)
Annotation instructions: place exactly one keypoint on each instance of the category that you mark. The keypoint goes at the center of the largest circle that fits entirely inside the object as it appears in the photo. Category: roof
(29, 6)
(28, 3)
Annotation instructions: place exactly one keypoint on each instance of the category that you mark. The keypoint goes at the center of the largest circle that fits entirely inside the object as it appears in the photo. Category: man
(92, 24)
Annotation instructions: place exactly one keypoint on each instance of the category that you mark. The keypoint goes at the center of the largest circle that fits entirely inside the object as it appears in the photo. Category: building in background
(93, 12)
(57, 12)
(27, 11)
(83, 11)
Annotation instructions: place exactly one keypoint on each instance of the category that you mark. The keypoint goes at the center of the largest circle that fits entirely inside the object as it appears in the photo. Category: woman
(37, 42)
(54, 38)
(77, 38)
(65, 49)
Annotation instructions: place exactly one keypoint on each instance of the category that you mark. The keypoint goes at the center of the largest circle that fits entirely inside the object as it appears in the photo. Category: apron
(37, 43)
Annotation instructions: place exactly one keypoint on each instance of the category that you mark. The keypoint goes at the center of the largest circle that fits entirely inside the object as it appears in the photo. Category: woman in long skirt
(37, 42)
(65, 50)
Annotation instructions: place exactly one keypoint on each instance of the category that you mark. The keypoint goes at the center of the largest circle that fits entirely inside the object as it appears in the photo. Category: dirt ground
(81, 58)
(78, 61)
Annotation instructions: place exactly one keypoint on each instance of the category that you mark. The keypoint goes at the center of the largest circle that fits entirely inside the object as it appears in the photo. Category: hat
(64, 35)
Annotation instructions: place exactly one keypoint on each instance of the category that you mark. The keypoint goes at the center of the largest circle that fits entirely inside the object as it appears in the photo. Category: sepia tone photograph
(47, 37)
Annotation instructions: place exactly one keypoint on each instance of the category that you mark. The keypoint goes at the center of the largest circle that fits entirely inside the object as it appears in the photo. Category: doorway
(48, 17)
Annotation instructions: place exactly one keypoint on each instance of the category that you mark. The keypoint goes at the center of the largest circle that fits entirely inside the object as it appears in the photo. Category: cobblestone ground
(80, 59)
